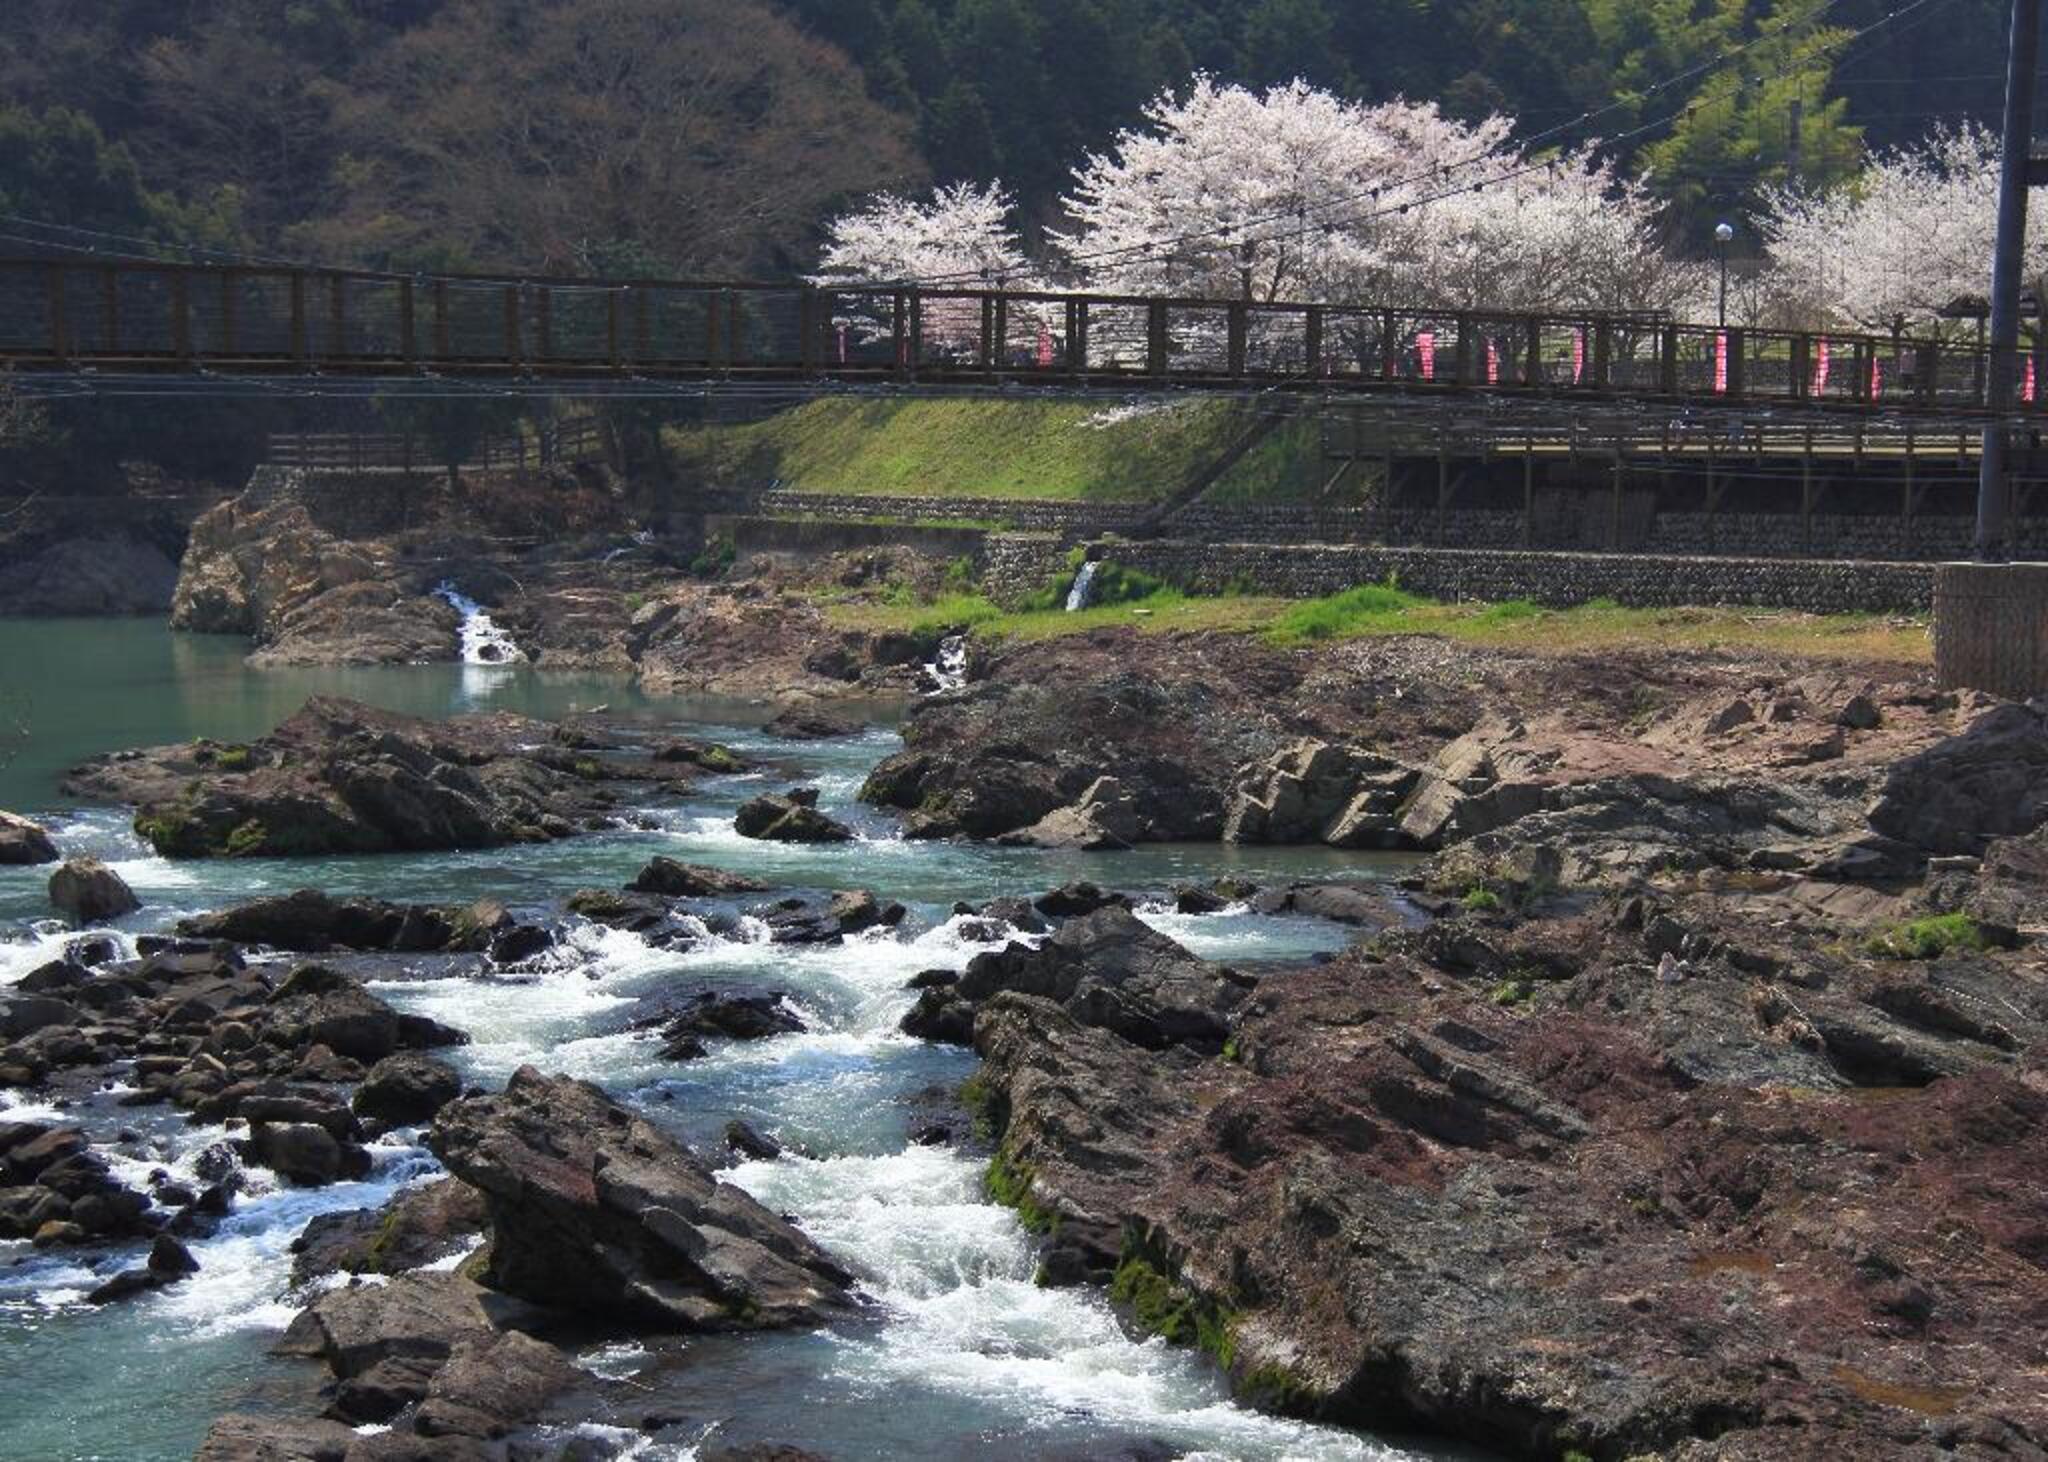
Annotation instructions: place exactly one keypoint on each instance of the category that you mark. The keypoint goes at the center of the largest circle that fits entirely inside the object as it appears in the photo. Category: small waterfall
(483, 643)
(948, 668)
(1084, 585)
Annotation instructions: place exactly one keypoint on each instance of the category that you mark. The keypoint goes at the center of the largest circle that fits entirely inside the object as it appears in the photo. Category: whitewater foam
(483, 642)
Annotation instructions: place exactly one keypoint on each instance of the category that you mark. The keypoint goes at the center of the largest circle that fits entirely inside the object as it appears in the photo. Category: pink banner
(1044, 346)
(1425, 352)
(1492, 363)
(1821, 361)
(2027, 387)
(1721, 363)
(1876, 378)
(1578, 356)
(842, 345)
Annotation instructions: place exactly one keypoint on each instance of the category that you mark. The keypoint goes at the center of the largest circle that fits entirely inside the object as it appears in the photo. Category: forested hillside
(1020, 88)
(709, 135)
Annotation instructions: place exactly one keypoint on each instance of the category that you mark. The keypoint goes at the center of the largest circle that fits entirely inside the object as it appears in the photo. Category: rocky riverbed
(1624, 1057)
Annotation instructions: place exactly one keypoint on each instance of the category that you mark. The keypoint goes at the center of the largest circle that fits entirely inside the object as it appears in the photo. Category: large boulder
(789, 818)
(596, 1211)
(87, 891)
(1108, 969)
(488, 1387)
(385, 1342)
(306, 1154)
(1991, 781)
(23, 842)
(319, 1006)
(406, 1087)
(745, 1016)
(671, 879)
(419, 1226)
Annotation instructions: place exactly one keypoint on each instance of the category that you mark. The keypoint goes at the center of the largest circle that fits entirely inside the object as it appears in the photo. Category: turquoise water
(963, 1355)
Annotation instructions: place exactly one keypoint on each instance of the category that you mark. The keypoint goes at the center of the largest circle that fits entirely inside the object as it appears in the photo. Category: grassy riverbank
(1377, 610)
(1071, 451)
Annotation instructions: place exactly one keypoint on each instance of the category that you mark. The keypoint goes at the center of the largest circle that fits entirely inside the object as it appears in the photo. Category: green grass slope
(1062, 450)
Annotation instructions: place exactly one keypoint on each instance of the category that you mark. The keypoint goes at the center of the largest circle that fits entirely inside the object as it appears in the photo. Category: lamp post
(1724, 235)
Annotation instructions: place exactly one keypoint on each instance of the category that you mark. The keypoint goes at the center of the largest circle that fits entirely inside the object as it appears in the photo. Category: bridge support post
(1529, 491)
(1806, 495)
(1991, 628)
(2016, 159)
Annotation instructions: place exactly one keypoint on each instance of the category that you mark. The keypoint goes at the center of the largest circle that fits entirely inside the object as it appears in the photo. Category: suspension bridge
(114, 326)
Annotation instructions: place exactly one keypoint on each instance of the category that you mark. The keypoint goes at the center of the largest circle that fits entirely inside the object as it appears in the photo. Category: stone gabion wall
(1558, 579)
(1078, 521)
(1926, 539)
(1017, 565)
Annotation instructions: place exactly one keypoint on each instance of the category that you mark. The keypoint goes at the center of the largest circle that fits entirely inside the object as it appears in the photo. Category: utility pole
(2014, 177)
(1795, 140)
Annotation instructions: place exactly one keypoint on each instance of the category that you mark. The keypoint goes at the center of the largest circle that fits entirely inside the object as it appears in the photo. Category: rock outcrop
(802, 723)
(1108, 968)
(594, 1210)
(311, 922)
(342, 777)
(1476, 1179)
(714, 1015)
(1316, 792)
(303, 595)
(790, 817)
(108, 573)
(1167, 719)
(1990, 781)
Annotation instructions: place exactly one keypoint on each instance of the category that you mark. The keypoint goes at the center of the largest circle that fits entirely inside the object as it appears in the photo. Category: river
(961, 1356)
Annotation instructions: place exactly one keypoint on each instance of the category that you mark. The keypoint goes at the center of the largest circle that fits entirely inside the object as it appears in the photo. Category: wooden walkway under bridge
(113, 324)
(1445, 461)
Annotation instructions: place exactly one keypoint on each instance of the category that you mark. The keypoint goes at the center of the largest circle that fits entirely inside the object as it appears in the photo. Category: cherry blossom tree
(1296, 194)
(1913, 234)
(960, 238)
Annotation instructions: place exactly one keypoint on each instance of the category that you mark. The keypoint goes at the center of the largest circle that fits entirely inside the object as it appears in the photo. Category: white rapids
(1084, 587)
(483, 641)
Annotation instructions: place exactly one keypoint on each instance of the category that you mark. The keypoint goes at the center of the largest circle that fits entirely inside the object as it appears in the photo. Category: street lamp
(1724, 235)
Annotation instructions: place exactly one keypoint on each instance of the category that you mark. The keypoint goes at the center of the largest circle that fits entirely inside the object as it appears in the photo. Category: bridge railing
(578, 440)
(121, 316)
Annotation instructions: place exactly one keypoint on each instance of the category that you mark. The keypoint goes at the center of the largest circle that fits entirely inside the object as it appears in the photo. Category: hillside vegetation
(1064, 450)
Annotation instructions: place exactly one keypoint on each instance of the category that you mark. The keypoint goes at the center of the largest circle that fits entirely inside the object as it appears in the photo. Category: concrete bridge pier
(1991, 628)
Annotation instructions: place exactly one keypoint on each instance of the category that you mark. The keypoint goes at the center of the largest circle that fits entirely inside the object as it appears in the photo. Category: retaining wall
(812, 538)
(1564, 521)
(1019, 566)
